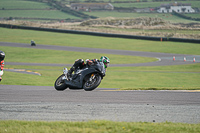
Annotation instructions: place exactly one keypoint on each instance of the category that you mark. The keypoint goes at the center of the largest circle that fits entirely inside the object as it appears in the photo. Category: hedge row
(185, 17)
(102, 34)
(49, 19)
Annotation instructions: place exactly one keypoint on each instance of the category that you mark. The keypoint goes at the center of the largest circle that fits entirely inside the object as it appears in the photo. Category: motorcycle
(88, 78)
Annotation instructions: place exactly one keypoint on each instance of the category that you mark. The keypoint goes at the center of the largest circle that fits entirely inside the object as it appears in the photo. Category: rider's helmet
(105, 60)
(2, 55)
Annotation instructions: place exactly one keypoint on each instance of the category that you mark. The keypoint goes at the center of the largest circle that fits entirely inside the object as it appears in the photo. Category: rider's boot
(69, 74)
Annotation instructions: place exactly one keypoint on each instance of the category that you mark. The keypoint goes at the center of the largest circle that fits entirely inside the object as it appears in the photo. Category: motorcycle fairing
(79, 78)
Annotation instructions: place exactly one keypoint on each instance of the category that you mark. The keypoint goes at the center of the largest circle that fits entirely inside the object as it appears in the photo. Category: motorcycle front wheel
(60, 84)
(91, 82)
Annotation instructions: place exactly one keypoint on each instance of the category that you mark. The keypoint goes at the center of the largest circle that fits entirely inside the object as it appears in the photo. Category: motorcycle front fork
(65, 71)
(92, 77)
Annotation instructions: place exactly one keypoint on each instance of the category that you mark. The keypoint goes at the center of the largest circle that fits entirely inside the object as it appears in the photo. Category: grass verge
(96, 127)
(29, 55)
(62, 39)
(163, 88)
(179, 77)
(182, 77)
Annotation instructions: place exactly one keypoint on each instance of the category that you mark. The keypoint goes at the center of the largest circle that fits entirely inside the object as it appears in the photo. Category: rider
(2, 56)
(79, 63)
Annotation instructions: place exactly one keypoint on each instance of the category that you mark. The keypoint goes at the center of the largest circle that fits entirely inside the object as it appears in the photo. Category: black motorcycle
(87, 78)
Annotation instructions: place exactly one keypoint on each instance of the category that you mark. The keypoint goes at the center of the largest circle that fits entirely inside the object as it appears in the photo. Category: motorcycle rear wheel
(60, 84)
(91, 85)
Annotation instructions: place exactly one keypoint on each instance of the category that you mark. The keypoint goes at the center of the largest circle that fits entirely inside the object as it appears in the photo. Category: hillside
(142, 26)
(131, 22)
(56, 14)
(58, 10)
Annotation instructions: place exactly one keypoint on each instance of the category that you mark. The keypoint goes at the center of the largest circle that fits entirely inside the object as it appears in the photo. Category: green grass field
(42, 56)
(184, 77)
(50, 14)
(22, 4)
(96, 127)
(154, 4)
(160, 77)
(193, 15)
(49, 38)
(31, 9)
(167, 16)
(166, 77)
(17, 5)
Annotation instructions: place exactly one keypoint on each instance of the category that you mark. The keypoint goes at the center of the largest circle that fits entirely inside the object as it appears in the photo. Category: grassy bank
(25, 36)
(164, 77)
(96, 127)
(167, 16)
(180, 77)
(64, 57)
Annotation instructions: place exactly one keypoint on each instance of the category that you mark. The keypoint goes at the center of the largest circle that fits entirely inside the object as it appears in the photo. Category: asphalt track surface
(164, 59)
(45, 103)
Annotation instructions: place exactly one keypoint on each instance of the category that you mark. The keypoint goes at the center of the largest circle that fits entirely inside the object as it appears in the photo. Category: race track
(164, 58)
(45, 103)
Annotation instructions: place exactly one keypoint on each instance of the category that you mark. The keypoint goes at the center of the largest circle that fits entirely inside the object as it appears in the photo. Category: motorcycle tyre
(94, 86)
(62, 87)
